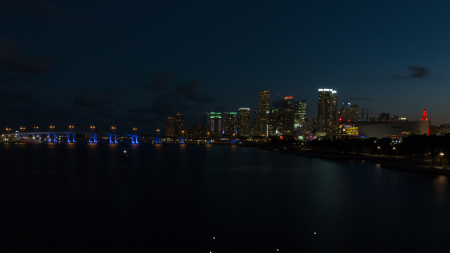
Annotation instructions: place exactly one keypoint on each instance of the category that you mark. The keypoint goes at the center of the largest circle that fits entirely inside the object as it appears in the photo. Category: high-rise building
(179, 125)
(263, 112)
(344, 112)
(385, 116)
(199, 130)
(244, 122)
(214, 124)
(394, 117)
(256, 127)
(299, 113)
(327, 114)
(288, 116)
(229, 123)
(170, 127)
(276, 121)
(354, 113)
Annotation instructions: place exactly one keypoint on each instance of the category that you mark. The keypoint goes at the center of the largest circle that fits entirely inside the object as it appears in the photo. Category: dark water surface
(178, 197)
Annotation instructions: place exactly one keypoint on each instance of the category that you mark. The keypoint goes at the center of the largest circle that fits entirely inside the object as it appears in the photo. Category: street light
(8, 129)
(92, 127)
(71, 127)
(22, 128)
(134, 129)
(52, 127)
(113, 128)
(395, 149)
(381, 150)
(157, 130)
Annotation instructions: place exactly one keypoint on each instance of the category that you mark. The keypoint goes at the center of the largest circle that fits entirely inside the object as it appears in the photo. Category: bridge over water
(71, 136)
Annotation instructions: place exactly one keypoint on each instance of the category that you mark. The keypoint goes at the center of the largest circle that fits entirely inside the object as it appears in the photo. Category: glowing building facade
(276, 121)
(299, 114)
(199, 130)
(179, 125)
(214, 124)
(288, 116)
(256, 128)
(170, 127)
(354, 113)
(229, 123)
(327, 114)
(263, 112)
(244, 122)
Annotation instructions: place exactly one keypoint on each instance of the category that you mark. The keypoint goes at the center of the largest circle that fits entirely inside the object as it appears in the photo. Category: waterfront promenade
(392, 162)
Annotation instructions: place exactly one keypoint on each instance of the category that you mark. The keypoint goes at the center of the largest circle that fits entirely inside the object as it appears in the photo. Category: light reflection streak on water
(440, 186)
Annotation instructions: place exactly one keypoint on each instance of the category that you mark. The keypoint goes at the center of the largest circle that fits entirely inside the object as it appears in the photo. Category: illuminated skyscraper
(288, 116)
(394, 117)
(327, 114)
(244, 122)
(229, 123)
(276, 118)
(199, 130)
(424, 115)
(299, 113)
(214, 124)
(179, 124)
(256, 127)
(263, 112)
(170, 127)
(354, 113)
(344, 112)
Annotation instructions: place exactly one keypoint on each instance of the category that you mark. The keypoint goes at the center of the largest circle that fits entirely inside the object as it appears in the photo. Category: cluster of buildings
(284, 118)
(287, 118)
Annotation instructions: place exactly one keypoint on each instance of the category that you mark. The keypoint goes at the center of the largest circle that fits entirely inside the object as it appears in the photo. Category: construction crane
(365, 112)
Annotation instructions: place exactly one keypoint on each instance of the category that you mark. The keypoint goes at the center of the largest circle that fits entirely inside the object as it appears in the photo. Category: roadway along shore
(397, 163)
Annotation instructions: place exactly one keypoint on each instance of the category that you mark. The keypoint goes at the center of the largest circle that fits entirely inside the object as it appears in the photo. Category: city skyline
(65, 63)
(178, 125)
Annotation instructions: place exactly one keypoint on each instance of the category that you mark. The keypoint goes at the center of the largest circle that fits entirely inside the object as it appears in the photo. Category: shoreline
(394, 163)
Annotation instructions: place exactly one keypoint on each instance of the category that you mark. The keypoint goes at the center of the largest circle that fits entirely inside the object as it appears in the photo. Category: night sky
(136, 63)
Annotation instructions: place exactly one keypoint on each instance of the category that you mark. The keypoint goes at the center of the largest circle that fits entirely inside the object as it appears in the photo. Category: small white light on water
(314, 232)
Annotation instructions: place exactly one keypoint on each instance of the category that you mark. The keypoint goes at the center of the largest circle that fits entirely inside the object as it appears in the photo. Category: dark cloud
(193, 92)
(35, 8)
(160, 81)
(418, 72)
(18, 66)
(188, 98)
(95, 98)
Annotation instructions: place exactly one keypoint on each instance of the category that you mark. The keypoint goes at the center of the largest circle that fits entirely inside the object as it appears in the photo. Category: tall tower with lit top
(424, 115)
